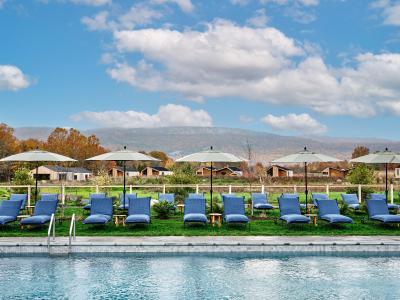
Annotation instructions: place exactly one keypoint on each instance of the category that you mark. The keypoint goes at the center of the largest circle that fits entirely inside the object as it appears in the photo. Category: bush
(361, 174)
(162, 209)
(22, 176)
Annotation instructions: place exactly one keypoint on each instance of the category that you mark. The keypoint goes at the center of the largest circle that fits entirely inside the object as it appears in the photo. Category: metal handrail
(51, 226)
(72, 230)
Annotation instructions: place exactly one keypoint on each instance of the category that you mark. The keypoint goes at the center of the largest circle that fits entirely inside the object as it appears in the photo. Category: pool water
(199, 277)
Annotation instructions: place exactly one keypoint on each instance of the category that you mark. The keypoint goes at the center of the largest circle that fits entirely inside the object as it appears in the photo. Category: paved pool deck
(206, 244)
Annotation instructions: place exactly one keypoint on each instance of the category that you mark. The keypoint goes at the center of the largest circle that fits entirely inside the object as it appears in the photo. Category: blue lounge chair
(139, 211)
(195, 195)
(351, 200)
(293, 196)
(195, 211)
(101, 211)
(127, 196)
(328, 210)
(234, 210)
(378, 211)
(260, 201)
(42, 213)
(92, 196)
(170, 198)
(376, 196)
(20, 197)
(48, 196)
(9, 211)
(229, 195)
(290, 211)
(318, 196)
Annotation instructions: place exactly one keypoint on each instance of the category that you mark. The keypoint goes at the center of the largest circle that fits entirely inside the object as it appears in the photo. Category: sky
(291, 67)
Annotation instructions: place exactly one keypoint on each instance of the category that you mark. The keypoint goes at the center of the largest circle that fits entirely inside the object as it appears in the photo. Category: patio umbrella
(380, 157)
(305, 157)
(211, 156)
(37, 156)
(124, 156)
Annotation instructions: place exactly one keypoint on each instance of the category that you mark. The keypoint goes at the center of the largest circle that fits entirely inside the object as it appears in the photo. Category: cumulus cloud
(390, 11)
(240, 2)
(295, 2)
(259, 19)
(12, 78)
(169, 115)
(91, 2)
(184, 5)
(300, 123)
(262, 64)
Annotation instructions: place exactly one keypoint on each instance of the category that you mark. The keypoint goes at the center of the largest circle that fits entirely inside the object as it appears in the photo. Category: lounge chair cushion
(387, 218)
(195, 217)
(295, 218)
(97, 219)
(6, 219)
(354, 206)
(263, 206)
(393, 206)
(87, 206)
(139, 218)
(36, 220)
(236, 218)
(336, 218)
(10, 208)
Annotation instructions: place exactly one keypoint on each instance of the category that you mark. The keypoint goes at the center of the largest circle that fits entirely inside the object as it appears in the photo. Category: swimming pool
(200, 277)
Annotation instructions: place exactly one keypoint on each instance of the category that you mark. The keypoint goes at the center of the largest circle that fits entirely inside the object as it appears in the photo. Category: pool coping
(206, 244)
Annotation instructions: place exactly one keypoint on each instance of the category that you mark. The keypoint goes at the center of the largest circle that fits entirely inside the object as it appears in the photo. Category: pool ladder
(52, 229)
(72, 231)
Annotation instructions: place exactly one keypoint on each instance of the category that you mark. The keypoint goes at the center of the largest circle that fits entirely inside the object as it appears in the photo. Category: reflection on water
(200, 277)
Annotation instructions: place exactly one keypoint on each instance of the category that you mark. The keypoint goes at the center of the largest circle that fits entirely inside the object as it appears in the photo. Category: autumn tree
(359, 151)
(30, 144)
(8, 146)
(162, 156)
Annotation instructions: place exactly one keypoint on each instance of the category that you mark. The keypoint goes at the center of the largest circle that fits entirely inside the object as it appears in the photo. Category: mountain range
(177, 141)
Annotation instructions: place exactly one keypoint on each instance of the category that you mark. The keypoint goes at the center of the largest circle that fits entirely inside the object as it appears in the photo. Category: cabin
(397, 173)
(334, 172)
(155, 172)
(279, 171)
(119, 172)
(229, 171)
(56, 173)
(206, 171)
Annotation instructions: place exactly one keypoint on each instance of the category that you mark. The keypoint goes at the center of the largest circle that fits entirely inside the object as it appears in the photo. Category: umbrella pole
(211, 187)
(36, 184)
(124, 191)
(306, 191)
(386, 180)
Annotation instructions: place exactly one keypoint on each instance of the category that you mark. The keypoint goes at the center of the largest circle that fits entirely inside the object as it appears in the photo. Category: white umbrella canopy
(380, 157)
(124, 156)
(37, 156)
(306, 157)
(211, 156)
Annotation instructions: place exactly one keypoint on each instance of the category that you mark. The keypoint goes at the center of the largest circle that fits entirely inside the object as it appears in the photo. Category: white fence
(216, 188)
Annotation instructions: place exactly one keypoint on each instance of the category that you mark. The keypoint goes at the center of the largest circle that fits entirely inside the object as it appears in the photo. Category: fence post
(29, 195)
(327, 189)
(130, 189)
(230, 189)
(391, 193)
(295, 189)
(359, 193)
(262, 189)
(163, 189)
(97, 188)
(63, 194)
(197, 188)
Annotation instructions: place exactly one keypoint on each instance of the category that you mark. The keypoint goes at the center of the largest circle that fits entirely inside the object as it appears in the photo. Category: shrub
(162, 209)
(22, 176)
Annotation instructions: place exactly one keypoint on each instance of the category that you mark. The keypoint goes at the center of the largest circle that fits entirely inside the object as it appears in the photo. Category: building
(279, 171)
(334, 172)
(119, 172)
(225, 171)
(206, 171)
(156, 171)
(54, 173)
(397, 173)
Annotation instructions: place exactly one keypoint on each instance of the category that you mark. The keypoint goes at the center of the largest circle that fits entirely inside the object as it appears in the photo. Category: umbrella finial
(386, 149)
(211, 147)
(305, 148)
(124, 147)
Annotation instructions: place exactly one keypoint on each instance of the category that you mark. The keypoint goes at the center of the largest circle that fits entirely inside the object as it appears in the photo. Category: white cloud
(245, 119)
(169, 115)
(262, 64)
(91, 2)
(259, 19)
(240, 2)
(185, 5)
(2, 2)
(98, 22)
(390, 11)
(295, 2)
(12, 78)
(301, 123)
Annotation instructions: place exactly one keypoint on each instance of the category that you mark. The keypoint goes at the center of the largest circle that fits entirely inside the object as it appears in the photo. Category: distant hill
(177, 141)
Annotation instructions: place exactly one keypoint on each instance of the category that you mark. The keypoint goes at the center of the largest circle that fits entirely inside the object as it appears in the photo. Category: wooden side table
(180, 207)
(314, 218)
(29, 209)
(118, 219)
(215, 217)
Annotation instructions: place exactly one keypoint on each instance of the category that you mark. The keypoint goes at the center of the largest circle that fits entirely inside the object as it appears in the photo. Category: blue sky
(294, 67)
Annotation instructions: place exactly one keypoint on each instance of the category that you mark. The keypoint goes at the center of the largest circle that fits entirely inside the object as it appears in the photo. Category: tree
(30, 144)
(160, 155)
(361, 174)
(8, 146)
(22, 176)
(359, 151)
